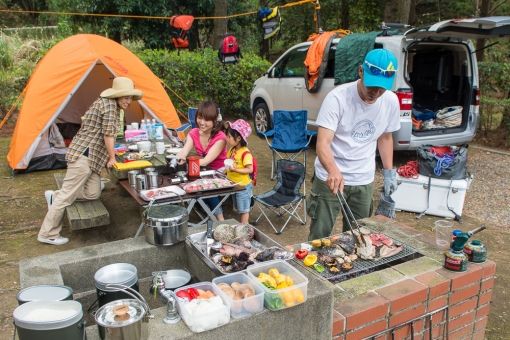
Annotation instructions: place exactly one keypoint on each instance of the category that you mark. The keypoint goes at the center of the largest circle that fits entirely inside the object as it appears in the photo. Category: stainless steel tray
(197, 242)
(215, 175)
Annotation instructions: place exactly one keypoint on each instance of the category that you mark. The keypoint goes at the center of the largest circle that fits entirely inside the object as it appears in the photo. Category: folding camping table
(190, 199)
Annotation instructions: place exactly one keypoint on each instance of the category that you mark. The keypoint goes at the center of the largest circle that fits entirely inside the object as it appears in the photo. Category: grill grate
(363, 267)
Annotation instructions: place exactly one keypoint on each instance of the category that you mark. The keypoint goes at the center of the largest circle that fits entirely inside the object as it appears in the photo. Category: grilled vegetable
(310, 260)
(301, 254)
(316, 243)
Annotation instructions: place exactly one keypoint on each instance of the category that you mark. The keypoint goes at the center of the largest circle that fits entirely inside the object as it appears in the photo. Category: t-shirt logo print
(363, 131)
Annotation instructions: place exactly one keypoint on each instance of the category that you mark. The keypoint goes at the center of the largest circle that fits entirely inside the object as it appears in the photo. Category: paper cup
(160, 148)
(228, 163)
(135, 126)
(129, 127)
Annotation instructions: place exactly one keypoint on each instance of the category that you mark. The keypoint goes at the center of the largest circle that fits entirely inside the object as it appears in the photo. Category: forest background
(29, 28)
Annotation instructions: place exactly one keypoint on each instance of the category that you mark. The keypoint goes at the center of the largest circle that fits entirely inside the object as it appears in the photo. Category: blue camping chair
(290, 137)
(192, 111)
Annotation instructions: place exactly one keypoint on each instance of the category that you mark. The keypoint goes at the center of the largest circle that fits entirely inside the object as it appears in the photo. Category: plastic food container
(247, 306)
(285, 297)
(209, 320)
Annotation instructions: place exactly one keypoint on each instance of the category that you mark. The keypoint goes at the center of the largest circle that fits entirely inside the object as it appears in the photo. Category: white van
(437, 69)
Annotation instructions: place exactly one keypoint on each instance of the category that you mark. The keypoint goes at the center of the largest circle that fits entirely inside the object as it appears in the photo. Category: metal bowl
(176, 278)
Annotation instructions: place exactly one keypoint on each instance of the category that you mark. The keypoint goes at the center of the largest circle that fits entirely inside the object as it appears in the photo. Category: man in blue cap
(354, 120)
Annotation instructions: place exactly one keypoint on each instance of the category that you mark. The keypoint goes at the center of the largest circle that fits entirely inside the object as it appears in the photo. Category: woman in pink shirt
(209, 142)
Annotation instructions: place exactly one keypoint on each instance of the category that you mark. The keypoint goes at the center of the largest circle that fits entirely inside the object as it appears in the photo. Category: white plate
(173, 150)
(170, 191)
(133, 147)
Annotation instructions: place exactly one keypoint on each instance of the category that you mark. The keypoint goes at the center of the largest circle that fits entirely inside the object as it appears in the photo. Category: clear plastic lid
(106, 317)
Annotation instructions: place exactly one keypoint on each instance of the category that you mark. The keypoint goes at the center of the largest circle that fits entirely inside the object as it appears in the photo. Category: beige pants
(80, 183)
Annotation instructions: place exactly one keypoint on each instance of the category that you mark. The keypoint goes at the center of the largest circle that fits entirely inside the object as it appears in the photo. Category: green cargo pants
(323, 208)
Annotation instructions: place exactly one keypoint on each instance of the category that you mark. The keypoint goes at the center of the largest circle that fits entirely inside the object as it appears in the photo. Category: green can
(455, 260)
(475, 251)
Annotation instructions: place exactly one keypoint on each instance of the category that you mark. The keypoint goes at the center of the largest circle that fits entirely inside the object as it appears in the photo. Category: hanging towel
(350, 54)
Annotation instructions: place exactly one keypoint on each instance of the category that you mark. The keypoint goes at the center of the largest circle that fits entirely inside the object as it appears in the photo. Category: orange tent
(69, 79)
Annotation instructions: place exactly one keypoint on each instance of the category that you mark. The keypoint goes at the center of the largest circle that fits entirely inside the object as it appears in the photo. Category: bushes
(197, 75)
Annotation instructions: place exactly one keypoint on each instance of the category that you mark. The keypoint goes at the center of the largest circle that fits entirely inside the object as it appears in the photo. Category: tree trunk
(397, 11)
(412, 13)
(480, 43)
(345, 15)
(220, 25)
(505, 121)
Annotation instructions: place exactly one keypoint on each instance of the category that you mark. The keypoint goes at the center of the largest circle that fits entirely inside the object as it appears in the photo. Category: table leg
(139, 230)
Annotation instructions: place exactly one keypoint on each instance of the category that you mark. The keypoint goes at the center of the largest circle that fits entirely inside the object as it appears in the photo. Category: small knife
(209, 237)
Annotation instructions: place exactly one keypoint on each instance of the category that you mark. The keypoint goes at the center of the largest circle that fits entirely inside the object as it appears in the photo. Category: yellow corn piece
(289, 281)
(271, 281)
(280, 278)
(281, 285)
(298, 295)
(274, 273)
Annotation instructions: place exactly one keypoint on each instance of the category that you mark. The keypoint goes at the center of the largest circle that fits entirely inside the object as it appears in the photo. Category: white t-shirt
(357, 127)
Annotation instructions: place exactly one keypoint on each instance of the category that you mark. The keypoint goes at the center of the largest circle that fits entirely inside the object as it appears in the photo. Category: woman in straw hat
(90, 151)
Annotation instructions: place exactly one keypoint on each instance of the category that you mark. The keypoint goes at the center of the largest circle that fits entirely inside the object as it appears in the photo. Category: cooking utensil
(344, 206)
(165, 224)
(209, 237)
(133, 327)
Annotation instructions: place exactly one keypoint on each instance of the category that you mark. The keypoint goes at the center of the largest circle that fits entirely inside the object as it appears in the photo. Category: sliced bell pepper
(318, 268)
(310, 260)
(193, 293)
(301, 254)
(184, 294)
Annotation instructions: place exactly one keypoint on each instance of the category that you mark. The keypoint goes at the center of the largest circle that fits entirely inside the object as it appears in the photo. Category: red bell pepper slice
(184, 294)
(193, 292)
(301, 254)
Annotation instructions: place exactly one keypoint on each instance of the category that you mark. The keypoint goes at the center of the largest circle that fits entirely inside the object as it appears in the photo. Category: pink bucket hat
(242, 127)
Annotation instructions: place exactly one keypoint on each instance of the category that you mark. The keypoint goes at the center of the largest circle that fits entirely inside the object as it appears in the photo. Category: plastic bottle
(153, 128)
(142, 125)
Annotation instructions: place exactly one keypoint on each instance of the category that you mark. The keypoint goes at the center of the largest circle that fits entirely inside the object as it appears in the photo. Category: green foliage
(195, 76)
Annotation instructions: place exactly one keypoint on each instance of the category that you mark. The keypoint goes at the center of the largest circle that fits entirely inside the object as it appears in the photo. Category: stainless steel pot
(125, 319)
(165, 224)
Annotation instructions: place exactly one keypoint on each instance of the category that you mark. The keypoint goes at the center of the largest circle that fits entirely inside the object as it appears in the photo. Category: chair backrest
(192, 111)
(291, 175)
(289, 127)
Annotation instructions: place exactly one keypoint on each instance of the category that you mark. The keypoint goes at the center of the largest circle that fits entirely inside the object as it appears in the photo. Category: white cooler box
(412, 195)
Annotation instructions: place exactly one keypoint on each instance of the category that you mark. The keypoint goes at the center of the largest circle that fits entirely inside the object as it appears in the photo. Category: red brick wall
(466, 294)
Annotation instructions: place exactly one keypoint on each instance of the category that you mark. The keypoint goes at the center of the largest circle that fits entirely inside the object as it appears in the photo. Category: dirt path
(22, 208)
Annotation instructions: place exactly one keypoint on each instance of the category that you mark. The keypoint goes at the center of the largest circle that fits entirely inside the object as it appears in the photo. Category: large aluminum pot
(165, 224)
(125, 319)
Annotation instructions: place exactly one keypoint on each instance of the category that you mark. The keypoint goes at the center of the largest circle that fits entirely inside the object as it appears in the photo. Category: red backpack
(253, 175)
(229, 51)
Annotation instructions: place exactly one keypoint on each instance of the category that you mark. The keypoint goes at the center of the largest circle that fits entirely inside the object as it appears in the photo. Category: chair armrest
(266, 134)
(183, 127)
(310, 133)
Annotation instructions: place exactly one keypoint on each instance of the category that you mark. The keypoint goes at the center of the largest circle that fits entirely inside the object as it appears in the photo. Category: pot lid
(472, 28)
(112, 314)
(167, 213)
(121, 273)
(45, 292)
(47, 315)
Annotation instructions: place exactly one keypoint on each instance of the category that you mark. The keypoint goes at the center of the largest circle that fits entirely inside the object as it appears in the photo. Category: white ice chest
(412, 195)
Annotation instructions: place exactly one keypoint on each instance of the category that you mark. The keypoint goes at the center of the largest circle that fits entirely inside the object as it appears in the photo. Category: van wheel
(261, 118)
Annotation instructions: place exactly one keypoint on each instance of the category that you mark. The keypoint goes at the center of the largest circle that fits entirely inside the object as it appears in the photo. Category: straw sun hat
(122, 87)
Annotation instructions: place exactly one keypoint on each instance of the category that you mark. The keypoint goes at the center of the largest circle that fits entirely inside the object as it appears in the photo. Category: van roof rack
(389, 29)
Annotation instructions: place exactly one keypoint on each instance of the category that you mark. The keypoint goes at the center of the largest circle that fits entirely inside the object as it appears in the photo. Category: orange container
(193, 166)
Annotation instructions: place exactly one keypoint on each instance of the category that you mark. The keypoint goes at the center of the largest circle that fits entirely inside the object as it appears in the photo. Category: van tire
(261, 119)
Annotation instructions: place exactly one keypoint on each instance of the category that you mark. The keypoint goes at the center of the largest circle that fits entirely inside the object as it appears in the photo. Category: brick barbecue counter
(371, 306)
(442, 303)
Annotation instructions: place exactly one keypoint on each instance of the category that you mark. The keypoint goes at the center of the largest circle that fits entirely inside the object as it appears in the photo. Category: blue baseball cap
(380, 66)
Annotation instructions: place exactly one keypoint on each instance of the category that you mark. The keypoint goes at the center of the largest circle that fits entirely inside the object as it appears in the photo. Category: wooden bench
(83, 214)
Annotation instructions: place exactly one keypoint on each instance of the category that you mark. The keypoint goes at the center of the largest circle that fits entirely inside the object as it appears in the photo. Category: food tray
(211, 179)
(197, 243)
(361, 267)
(248, 305)
(171, 191)
(206, 321)
(290, 296)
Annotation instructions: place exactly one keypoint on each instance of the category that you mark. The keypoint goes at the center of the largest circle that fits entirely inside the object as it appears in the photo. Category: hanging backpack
(271, 21)
(181, 34)
(253, 175)
(229, 51)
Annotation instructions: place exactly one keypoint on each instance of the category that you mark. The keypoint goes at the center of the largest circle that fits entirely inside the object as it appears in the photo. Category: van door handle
(298, 86)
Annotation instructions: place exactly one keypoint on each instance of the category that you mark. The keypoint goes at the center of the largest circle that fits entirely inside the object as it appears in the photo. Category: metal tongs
(345, 206)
